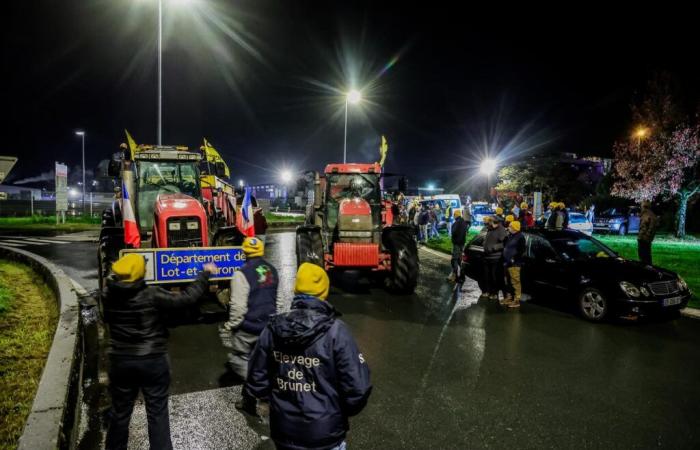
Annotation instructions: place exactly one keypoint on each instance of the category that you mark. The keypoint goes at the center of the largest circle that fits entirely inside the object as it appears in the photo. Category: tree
(664, 164)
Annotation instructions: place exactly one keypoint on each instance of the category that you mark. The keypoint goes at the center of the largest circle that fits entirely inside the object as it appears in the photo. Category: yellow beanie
(523, 205)
(488, 219)
(253, 247)
(458, 213)
(312, 280)
(514, 226)
(130, 267)
(510, 218)
(562, 205)
(499, 211)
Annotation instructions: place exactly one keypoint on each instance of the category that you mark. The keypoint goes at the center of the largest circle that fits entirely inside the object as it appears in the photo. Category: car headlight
(629, 289)
(682, 285)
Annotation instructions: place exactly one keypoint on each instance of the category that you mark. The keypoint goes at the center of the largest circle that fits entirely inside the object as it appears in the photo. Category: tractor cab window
(163, 177)
(348, 186)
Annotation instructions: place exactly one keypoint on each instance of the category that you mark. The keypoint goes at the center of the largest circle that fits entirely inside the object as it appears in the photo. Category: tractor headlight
(682, 285)
(193, 225)
(629, 289)
(174, 226)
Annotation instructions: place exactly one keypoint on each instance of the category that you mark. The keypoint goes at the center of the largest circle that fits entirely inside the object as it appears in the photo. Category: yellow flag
(212, 155)
(383, 148)
(131, 144)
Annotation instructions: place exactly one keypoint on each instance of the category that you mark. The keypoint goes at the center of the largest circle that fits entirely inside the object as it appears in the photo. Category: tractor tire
(404, 260)
(309, 246)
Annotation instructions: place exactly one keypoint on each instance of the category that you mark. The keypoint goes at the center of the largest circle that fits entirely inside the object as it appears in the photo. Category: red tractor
(351, 226)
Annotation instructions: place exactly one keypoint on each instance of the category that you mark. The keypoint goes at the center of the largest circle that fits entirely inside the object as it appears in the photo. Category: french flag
(131, 230)
(246, 223)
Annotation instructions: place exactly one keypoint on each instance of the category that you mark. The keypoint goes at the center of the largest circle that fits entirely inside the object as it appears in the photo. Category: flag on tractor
(245, 218)
(131, 230)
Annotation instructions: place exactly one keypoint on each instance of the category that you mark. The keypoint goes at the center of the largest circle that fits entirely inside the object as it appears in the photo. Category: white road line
(15, 241)
(11, 245)
(44, 241)
(436, 253)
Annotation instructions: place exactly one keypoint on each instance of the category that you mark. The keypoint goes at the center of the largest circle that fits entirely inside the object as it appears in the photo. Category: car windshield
(577, 218)
(612, 212)
(163, 177)
(580, 247)
(481, 210)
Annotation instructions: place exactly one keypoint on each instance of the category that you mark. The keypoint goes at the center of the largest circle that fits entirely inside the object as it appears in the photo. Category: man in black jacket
(493, 258)
(459, 237)
(513, 255)
(138, 352)
(308, 365)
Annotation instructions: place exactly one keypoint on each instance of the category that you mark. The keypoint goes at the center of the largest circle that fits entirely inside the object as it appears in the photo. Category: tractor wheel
(309, 246)
(404, 261)
(103, 267)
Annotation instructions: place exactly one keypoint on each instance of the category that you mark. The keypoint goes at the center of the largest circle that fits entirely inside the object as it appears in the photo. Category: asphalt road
(453, 372)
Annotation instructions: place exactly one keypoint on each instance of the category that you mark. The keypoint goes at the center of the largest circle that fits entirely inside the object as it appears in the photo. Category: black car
(578, 267)
(617, 220)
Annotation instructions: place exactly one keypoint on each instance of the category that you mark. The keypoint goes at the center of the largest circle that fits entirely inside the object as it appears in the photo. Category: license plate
(672, 301)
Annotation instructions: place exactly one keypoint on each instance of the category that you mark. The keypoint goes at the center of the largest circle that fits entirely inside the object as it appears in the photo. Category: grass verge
(27, 326)
(276, 218)
(49, 223)
(682, 257)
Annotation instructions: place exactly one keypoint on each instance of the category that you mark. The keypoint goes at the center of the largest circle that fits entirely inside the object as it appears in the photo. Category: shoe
(247, 404)
(506, 300)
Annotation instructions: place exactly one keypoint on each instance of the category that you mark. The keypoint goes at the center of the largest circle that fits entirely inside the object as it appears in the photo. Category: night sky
(262, 80)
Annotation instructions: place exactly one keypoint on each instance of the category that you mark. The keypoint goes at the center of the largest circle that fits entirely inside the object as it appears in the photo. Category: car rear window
(577, 218)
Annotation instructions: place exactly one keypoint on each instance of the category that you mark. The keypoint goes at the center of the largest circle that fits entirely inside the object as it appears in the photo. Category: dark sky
(257, 78)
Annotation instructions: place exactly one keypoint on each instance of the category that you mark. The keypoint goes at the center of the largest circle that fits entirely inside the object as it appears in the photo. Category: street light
(241, 183)
(286, 176)
(640, 133)
(487, 167)
(352, 97)
(82, 136)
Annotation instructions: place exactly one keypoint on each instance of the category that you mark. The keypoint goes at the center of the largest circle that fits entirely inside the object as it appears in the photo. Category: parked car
(577, 221)
(479, 211)
(443, 200)
(617, 220)
(573, 266)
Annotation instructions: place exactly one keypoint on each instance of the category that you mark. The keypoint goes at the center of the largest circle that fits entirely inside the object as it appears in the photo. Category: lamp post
(160, 72)
(354, 97)
(487, 167)
(82, 136)
(641, 133)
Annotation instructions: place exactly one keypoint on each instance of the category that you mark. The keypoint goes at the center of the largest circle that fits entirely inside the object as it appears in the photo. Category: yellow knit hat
(130, 267)
(523, 205)
(510, 218)
(499, 211)
(312, 280)
(488, 219)
(253, 247)
(562, 205)
(514, 226)
(553, 205)
(457, 213)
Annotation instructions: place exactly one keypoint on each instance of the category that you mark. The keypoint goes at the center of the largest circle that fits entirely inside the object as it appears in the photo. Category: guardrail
(53, 418)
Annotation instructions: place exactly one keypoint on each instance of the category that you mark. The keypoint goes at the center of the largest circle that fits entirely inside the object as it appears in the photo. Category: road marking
(436, 253)
(15, 241)
(41, 240)
(11, 245)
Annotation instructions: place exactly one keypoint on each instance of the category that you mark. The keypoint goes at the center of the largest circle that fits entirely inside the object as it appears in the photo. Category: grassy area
(682, 257)
(49, 223)
(277, 218)
(27, 324)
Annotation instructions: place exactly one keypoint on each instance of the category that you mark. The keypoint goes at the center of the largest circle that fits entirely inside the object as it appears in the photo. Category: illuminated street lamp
(286, 176)
(487, 167)
(241, 183)
(352, 97)
(640, 133)
(82, 136)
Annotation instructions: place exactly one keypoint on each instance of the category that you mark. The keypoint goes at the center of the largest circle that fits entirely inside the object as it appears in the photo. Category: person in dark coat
(308, 365)
(138, 351)
(459, 236)
(647, 231)
(513, 255)
(493, 258)
(254, 298)
(551, 223)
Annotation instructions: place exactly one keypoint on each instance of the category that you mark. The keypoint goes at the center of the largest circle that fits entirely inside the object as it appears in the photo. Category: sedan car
(570, 265)
(578, 222)
(479, 211)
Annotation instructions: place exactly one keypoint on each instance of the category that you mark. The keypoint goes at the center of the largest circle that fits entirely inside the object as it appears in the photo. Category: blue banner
(179, 265)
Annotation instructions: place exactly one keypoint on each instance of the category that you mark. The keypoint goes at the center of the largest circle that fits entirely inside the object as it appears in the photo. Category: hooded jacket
(494, 242)
(459, 231)
(308, 365)
(134, 314)
(514, 250)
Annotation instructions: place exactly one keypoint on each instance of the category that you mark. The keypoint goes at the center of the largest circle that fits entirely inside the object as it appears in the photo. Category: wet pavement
(451, 371)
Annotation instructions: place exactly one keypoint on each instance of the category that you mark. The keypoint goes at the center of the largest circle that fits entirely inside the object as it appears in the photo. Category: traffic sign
(180, 265)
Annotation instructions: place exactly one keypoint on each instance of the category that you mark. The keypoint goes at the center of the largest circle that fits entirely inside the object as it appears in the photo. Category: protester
(254, 298)
(138, 352)
(434, 220)
(647, 230)
(552, 219)
(515, 210)
(459, 237)
(526, 218)
(487, 224)
(565, 215)
(590, 214)
(493, 258)
(509, 218)
(467, 216)
(513, 255)
(308, 365)
(423, 223)
(449, 218)
(499, 213)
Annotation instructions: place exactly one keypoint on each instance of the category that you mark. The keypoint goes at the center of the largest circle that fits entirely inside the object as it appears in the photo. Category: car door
(545, 270)
(633, 221)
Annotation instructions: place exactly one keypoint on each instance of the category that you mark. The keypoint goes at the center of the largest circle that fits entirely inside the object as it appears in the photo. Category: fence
(30, 207)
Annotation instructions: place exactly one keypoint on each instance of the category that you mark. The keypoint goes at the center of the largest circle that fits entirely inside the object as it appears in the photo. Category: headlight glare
(629, 289)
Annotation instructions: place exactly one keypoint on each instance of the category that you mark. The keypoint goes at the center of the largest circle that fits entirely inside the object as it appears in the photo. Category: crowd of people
(293, 365)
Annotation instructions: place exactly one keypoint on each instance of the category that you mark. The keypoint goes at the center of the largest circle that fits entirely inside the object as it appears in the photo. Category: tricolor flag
(246, 223)
(131, 230)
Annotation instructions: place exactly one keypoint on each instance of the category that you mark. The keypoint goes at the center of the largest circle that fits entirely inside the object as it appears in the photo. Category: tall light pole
(160, 72)
(82, 136)
(353, 97)
(487, 167)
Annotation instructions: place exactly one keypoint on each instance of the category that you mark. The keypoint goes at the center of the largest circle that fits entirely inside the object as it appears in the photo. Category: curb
(52, 416)
(692, 313)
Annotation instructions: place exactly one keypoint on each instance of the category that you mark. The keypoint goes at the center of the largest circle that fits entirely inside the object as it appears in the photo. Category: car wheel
(623, 230)
(593, 305)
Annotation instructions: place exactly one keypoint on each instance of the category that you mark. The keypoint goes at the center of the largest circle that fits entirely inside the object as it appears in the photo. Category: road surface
(450, 371)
